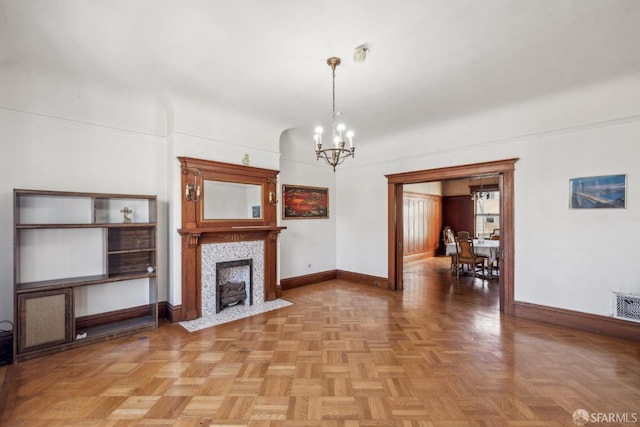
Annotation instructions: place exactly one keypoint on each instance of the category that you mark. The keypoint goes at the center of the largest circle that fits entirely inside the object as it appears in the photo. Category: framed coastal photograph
(301, 202)
(598, 192)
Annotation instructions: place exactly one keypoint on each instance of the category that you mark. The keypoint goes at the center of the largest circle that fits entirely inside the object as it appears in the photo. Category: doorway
(504, 169)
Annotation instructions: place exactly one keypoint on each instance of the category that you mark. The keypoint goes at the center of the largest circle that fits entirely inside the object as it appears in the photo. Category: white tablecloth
(488, 248)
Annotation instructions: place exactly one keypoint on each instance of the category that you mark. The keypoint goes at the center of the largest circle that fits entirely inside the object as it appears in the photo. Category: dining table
(488, 248)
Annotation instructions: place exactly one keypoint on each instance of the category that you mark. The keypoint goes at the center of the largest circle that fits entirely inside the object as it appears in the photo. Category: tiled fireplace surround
(204, 247)
(215, 253)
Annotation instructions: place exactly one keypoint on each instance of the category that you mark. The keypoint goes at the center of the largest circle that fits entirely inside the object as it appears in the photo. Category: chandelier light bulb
(350, 135)
(341, 127)
(318, 138)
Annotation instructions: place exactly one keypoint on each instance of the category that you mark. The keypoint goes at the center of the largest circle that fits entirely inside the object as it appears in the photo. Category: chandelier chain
(333, 103)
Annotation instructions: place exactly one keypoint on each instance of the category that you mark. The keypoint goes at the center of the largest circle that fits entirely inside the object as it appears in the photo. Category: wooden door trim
(395, 184)
(394, 236)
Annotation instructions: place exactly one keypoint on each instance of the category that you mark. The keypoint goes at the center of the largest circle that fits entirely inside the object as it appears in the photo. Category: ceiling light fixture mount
(335, 154)
(360, 53)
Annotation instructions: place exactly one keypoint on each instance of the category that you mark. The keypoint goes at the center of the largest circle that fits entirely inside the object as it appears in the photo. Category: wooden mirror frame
(195, 171)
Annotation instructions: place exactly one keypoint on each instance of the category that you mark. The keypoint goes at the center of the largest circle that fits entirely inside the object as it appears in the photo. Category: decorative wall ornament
(305, 202)
(126, 212)
(608, 191)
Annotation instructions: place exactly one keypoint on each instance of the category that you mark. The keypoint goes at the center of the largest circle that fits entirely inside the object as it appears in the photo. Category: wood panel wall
(422, 223)
(457, 212)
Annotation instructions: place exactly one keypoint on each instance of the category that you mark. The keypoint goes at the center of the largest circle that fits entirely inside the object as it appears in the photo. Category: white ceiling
(429, 60)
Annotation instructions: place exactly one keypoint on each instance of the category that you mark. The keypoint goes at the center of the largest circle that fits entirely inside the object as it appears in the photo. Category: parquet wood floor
(437, 354)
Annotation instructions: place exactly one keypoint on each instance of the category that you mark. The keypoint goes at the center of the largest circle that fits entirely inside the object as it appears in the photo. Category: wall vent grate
(627, 307)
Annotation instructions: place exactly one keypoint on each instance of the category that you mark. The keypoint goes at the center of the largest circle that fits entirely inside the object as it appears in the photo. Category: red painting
(305, 202)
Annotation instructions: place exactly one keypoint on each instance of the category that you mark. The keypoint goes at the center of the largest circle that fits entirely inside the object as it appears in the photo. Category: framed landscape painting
(304, 202)
(597, 192)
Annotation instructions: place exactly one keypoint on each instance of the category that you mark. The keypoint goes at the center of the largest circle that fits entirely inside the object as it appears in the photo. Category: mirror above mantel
(220, 194)
(223, 200)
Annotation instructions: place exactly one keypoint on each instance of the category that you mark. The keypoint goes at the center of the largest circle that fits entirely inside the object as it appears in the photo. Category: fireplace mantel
(192, 241)
(226, 234)
(198, 228)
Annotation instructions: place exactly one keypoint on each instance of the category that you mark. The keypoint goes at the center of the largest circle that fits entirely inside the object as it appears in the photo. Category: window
(487, 213)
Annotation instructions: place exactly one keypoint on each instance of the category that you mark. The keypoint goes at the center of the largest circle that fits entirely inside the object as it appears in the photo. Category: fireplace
(231, 262)
(209, 237)
(234, 283)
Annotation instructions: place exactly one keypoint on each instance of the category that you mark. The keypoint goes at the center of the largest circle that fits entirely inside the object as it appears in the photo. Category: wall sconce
(273, 199)
(192, 190)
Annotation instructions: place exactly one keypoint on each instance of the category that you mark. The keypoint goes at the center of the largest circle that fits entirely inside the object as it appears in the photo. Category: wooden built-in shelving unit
(75, 258)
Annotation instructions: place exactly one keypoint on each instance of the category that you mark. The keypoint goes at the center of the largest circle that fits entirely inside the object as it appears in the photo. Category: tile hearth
(235, 312)
(214, 253)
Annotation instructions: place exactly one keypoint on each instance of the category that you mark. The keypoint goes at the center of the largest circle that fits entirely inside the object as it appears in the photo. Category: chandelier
(337, 152)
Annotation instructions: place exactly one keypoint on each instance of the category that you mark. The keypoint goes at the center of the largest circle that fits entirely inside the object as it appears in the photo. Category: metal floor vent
(627, 307)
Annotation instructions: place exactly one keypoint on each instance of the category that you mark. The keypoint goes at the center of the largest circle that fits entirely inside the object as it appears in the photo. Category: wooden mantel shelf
(229, 229)
(197, 235)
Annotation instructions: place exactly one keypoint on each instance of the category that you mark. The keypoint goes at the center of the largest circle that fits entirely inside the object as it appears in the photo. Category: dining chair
(448, 237)
(495, 265)
(464, 235)
(495, 235)
(467, 256)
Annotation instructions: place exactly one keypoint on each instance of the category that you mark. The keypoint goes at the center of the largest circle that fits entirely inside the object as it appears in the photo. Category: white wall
(307, 245)
(579, 257)
(75, 136)
(185, 145)
(51, 95)
(460, 187)
(49, 153)
(433, 188)
(62, 137)
(210, 133)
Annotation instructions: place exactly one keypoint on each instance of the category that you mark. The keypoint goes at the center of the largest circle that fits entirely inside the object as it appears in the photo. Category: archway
(503, 168)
